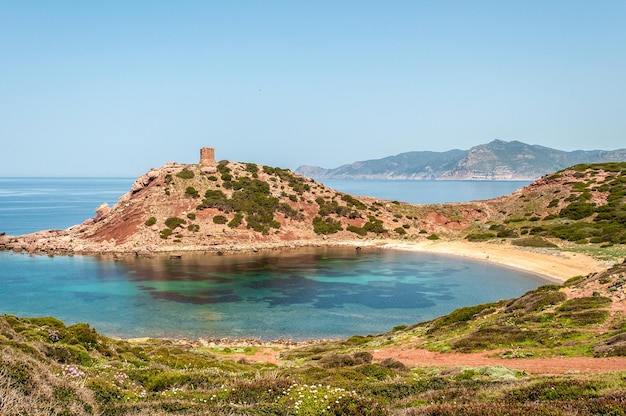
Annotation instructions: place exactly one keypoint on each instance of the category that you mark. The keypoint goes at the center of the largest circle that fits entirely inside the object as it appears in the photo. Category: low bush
(220, 219)
(191, 192)
(150, 221)
(173, 222)
(326, 225)
(494, 337)
(534, 241)
(579, 304)
(236, 221)
(475, 237)
(535, 301)
(357, 230)
(460, 315)
(185, 174)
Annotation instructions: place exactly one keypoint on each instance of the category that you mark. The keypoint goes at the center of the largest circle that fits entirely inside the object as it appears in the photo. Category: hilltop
(497, 160)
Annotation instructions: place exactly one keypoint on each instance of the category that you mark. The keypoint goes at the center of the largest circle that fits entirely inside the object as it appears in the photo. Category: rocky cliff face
(498, 160)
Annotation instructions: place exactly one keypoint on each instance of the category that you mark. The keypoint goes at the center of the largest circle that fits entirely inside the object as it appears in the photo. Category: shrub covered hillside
(48, 368)
(232, 204)
(243, 205)
(582, 204)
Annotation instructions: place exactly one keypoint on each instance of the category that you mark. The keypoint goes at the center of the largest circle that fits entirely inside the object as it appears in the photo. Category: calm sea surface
(298, 294)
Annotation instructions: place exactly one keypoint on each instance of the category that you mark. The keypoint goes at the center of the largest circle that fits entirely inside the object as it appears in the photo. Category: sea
(299, 294)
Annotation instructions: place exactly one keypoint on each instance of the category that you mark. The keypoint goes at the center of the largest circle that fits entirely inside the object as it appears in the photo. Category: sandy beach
(553, 264)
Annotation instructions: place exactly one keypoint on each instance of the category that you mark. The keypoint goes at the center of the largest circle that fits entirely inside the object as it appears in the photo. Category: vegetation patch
(534, 241)
(174, 222)
(185, 174)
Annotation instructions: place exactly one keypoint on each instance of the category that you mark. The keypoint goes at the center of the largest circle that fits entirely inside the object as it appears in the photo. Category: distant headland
(497, 160)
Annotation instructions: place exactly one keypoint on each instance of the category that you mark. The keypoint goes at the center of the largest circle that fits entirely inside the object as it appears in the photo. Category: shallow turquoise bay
(294, 294)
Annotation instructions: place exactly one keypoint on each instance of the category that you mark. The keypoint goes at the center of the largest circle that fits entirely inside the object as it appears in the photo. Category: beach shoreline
(552, 264)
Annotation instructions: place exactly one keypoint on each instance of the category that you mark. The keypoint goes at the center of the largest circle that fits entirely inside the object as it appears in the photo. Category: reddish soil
(424, 358)
(553, 365)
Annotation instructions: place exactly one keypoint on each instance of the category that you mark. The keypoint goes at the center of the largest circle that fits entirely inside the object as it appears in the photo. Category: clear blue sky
(113, 88)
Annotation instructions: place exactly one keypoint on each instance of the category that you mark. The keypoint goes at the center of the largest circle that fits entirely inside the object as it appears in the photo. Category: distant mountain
(498, 160)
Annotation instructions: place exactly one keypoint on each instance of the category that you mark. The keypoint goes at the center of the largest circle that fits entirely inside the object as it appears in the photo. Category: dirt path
(425, 358)
(553, 365)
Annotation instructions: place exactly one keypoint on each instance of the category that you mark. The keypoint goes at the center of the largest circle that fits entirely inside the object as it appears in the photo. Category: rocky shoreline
(60, 242)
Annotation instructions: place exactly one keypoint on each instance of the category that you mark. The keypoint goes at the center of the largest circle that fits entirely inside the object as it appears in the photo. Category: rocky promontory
(234, 206)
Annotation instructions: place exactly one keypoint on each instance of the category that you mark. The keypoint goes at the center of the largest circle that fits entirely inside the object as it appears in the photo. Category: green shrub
(236, 221)
(577, 210)
(326, 226)
(191, 192)
(194, 228)
(82, 334)
(475, 237)
(579, 304)
(191, 216)
(166, 232)
(220, 219)
(552, 390)
(494, 337)
(173, 222)
(352, 201)
(150, 221)
(214, 198)
(289, 212)
(433, 236)
(535, 301)
(554, 203)
(534, 241)
(400, 230)
(374, 225)
(252, 168)
(185, 174)
(357, 230)
(584, 318)
(460, 315)
(69, 354)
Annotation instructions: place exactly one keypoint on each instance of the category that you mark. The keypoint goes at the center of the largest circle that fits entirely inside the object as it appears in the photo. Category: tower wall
(207, 156)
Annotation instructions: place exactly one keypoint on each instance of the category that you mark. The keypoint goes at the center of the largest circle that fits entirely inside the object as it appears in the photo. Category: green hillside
(582, 204)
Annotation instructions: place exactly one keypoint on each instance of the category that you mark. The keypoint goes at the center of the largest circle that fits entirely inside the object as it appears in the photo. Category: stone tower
(207, 156)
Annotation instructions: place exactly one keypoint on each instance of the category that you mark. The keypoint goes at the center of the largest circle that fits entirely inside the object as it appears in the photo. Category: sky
(114, 88)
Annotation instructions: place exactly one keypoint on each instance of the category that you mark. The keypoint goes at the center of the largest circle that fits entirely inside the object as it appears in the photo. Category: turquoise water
(301, 294)
(297, 294)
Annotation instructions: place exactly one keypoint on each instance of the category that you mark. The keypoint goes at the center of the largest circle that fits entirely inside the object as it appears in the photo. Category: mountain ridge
(497, 160)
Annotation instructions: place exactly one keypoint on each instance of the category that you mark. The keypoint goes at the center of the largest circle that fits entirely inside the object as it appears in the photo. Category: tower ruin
(207, 156)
